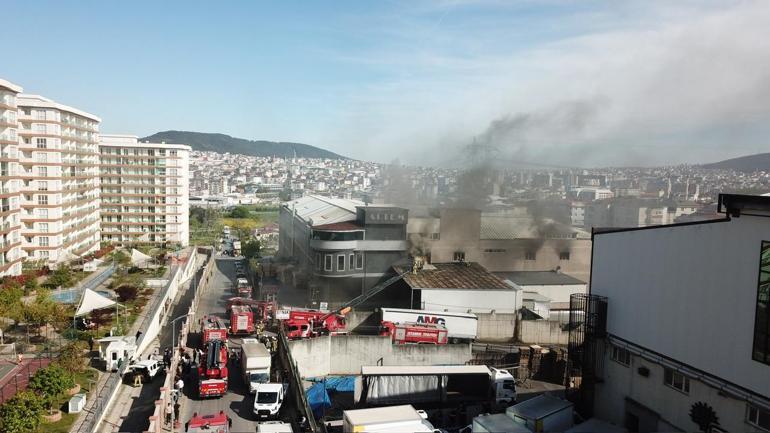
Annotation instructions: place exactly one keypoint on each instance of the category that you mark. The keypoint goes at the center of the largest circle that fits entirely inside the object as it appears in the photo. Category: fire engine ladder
(360, 299)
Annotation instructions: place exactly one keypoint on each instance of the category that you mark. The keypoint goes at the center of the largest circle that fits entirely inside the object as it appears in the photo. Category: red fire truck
(217, 423)
(263, 310)
(311, 323)
(212, 370)
(418, 333)
(212, 329)
(241, 320)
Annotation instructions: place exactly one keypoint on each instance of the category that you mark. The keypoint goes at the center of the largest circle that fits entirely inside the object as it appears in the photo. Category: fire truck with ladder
(241, 320)
(212, 369)
(312, 323)
(212, 328)
(263, 310)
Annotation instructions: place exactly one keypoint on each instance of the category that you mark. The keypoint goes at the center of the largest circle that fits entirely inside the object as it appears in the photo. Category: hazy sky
(551, 81)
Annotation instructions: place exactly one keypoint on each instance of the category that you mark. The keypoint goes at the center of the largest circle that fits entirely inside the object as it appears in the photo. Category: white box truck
(497, 423)
(387, 419)
(460, 326)
(268, 400)
(444, 384)
(255, 362)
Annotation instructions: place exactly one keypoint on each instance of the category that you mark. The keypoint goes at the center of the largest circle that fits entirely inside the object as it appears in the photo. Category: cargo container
(445, 384)
(497, 423)
(460, 326)
(386, 419)
(543, 414)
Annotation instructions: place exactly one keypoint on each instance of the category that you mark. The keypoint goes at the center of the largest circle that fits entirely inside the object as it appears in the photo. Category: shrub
(62, 276)
(22, 413)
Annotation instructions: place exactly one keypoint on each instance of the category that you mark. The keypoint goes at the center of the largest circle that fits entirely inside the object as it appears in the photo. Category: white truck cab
(503, 385)
(268, 400)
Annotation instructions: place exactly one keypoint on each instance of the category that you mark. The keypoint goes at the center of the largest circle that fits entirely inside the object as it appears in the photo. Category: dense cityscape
(526, 217)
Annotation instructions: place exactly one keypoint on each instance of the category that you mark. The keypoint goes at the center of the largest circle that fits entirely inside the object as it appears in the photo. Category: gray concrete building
(339, 248)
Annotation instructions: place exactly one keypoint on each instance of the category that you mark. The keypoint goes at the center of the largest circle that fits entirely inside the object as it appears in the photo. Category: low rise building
(683, 339)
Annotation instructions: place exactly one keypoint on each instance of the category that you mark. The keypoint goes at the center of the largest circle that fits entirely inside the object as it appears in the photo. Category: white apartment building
(687, 344)
(10, 223)
(58, 159)
(144, 191)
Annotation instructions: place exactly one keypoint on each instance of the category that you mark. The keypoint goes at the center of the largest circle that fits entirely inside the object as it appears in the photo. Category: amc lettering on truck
(460, 326)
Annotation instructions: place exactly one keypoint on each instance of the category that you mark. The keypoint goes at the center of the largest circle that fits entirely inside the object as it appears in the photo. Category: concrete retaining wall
(542, 332)
(345, 354)
(498, 327)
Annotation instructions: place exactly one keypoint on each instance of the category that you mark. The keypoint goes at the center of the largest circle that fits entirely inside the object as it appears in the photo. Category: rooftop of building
(344, 226)
(457, 275)
(539, 278)
(124, 140)
(525, 227)
(10, 86)
(319, 210)
(27, 100)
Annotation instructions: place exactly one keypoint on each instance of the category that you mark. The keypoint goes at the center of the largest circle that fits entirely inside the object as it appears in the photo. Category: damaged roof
(539, 278)
(457, 275)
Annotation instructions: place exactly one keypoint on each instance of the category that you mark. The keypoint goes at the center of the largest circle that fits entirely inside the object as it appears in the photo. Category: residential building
(687, 339)
(10, 223)
(340, 247)
(145, 192)
(58, 160)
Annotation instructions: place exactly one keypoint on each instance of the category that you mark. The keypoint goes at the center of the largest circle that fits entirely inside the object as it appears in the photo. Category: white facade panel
(469, 301)
(688, 293)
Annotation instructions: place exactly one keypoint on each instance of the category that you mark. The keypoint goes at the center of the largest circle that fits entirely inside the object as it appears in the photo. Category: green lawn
(67, 419)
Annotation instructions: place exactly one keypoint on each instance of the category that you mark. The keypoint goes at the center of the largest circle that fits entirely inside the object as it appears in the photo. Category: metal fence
(72, 296)
(20, 376)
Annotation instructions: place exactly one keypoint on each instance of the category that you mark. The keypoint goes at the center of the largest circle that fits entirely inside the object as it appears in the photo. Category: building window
(564, 256)
(42, 143)
(42, 241)
(43, 227)
(359, 260)
(40, 127)
(44, 254)
(41, 157)
(328, 262)
(341, 262)
(761, 350)
(459, 256)
(494, 250)
(42, 199)
(530, 256)
(318, 262)
(435, 236)
(42, 171)
(676, 380)
(621, 356)
(42, 213)
(351, 261)
(42, 185)
(758, 417)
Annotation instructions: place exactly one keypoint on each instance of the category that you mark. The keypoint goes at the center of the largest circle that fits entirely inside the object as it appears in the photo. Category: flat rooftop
(539, 278)
(457, 275)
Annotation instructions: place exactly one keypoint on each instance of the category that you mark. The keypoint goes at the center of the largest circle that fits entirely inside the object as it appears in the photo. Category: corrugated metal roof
(524, 227)
(539, 278)
(461, 275)
(317, 210)
(345, 226)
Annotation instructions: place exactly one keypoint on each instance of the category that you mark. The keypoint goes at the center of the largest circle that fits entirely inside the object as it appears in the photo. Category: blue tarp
(318, 399)
(336, 383)
(341, 383)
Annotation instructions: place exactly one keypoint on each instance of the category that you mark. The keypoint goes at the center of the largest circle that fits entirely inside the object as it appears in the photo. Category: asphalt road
(237, 403)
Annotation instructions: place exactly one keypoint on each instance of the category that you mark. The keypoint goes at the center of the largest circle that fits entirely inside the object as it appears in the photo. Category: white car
(268, 400)
(148, 367)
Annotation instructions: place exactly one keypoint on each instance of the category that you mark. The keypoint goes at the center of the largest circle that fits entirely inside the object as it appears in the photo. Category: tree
(240, 212)
(71, 359)
(10, 300)
(22, 413)
(62, 276)
(101, 317)
(250, 248)
(30, 281)
(121, 258)
(51, 382)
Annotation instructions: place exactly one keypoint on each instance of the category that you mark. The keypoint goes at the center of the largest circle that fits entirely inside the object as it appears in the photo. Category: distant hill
(222, 143)
(746, 164)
